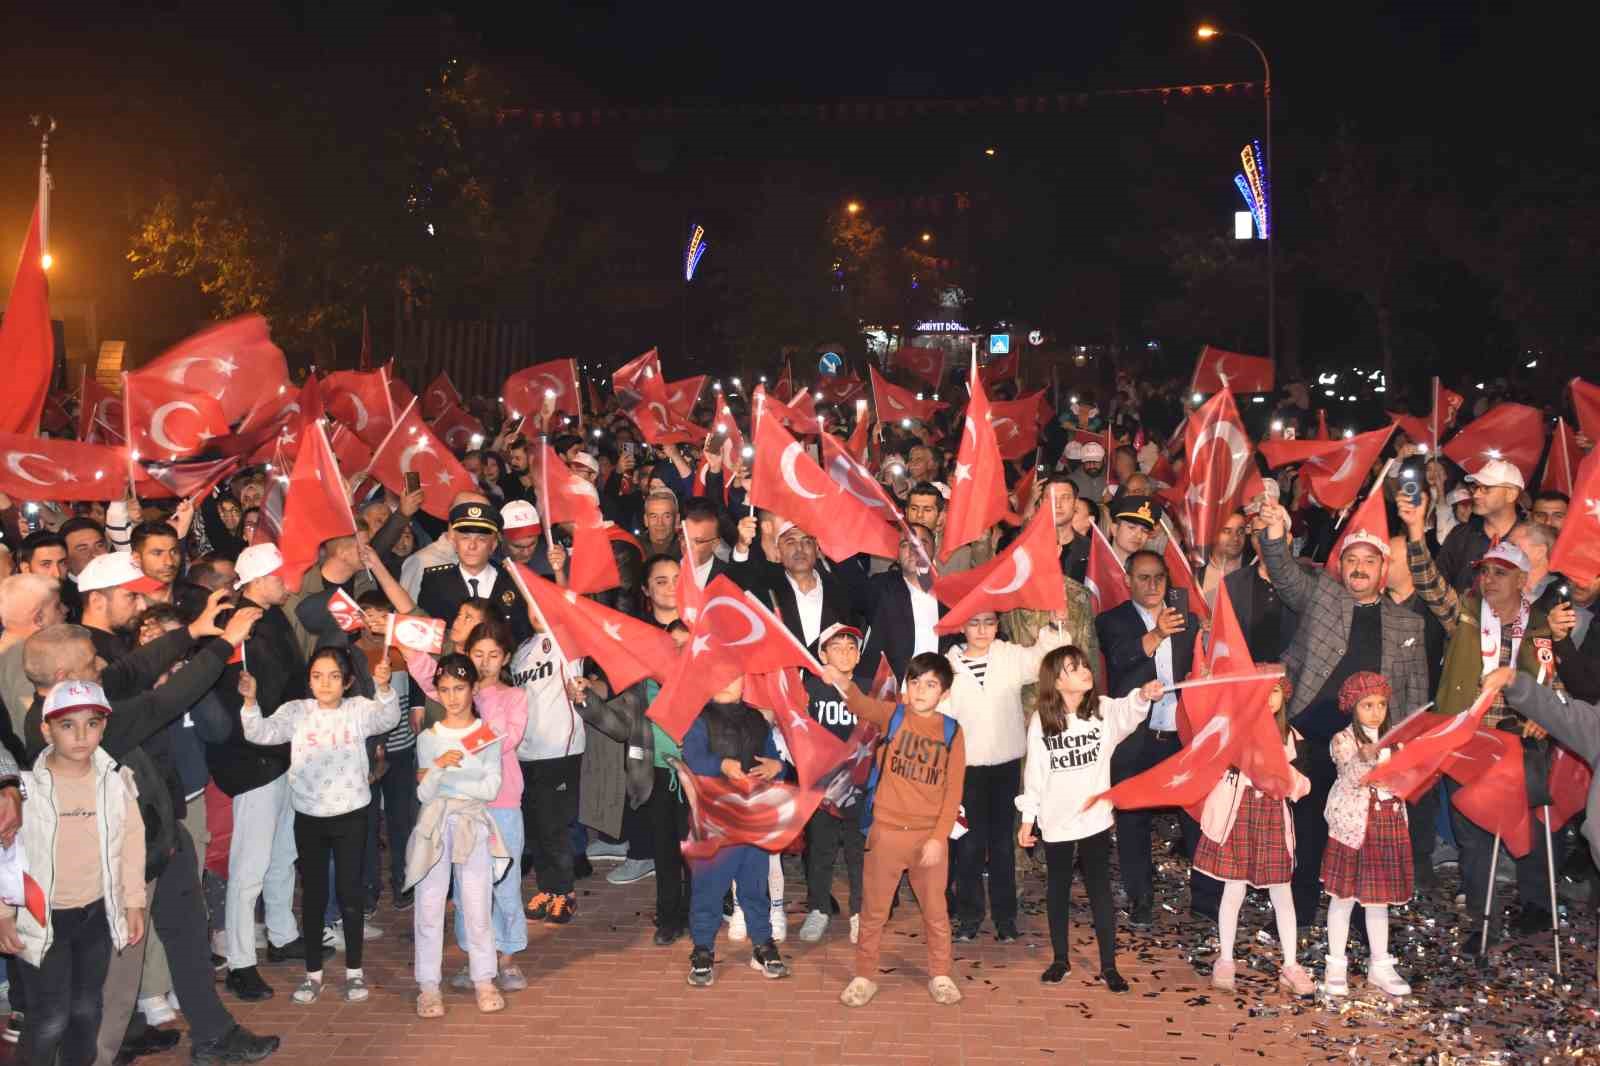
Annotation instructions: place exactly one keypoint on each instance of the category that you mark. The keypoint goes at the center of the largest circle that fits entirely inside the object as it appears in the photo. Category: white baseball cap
(1497, 473)
(116, 570)
(69, 696)
(1093, 451)
(1370, 539)
(1458, 496)
(258, 560)
(838, 629)
(519, 520)
(1074, 450)
(1508, 555)
(584, 459)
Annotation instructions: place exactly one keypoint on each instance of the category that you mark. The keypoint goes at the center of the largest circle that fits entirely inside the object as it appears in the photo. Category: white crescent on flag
(758, 628)
(158, 424)
(14, 463)
(790, 476)
(1024, 570)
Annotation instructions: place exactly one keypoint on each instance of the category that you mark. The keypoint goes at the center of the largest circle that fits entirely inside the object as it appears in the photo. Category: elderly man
(1574, 724)
(1495, 488)
(474, 533)
(1494, 626)
(1091, 477)
(28, 603)
(661, 523)
(1345, 627)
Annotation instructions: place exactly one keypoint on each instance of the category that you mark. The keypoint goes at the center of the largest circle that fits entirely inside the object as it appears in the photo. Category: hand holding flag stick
(1225, 679)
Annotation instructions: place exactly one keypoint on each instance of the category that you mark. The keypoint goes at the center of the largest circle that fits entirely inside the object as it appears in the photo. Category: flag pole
(1488, 900)
(1550, 868)
(1225, 679)
(755, 430)
(783, 630)
(127, 436)
(544, 492)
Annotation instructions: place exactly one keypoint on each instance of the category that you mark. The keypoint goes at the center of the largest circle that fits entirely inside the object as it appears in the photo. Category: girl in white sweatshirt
(1070, 741)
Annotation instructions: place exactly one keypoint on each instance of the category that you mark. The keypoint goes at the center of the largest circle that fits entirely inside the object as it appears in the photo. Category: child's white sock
(356, 972)
(314, 975)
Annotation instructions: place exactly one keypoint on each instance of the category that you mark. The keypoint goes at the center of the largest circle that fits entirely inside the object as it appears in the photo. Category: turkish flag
(765, 814)
(440, 396)
(1569, 782)
(841, 389)
(690, 595)
(1023, 489)
(1336, 468)
(346, 612)
(659, 424)
(1181, 575)
(784, 389)
(1105, 578)
(1219, 465)
(400, 394)
(293, 417)
(1016, 424)
(978, 487)
(190, 480)
(860, 442)
(479, 738)
(1027, 574)
(419, 634)
(799, 414)
(234, 361)
(349, 449)
(316, 507)
(1372, 517)
(1426, 742)
(457, 429)
(626, 648)
(733, 636)
(361, 400)
(1509, 431)
(1586, 402)
(683, 394)
(1218, 370)
(42, 468)
(1003, 369)
(27, 341)
(894, 403)
(526, 392)
(411, 447)
(592, 565)
(1560, 466)
(786, 480)
(925, 363)
(1577, 550)
(167, 421)
(813, 749)
(857, 482)
(885, 686)
(99, 414)
(565, 496)
(630, 379)
(1496, 798)
(1226, 649)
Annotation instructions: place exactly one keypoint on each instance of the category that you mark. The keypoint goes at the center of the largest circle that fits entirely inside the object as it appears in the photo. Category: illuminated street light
(1205, 33)
(853, 207)
(988, 151)
(926, 237)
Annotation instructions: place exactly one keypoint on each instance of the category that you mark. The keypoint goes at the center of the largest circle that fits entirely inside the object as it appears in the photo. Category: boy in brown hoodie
(921, 768)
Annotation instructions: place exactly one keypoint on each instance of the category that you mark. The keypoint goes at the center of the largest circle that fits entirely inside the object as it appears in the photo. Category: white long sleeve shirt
(990, 711)
(1066, 770)
(475, 777)
(327, 748)
(554, 728)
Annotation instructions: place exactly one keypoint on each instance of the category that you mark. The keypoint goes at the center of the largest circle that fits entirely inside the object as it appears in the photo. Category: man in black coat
(474, 531)
(1146, 640)
(799, 589)
(901, 615)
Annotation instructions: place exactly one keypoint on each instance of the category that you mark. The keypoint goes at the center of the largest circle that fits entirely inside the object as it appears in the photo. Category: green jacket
(1024, 624)
(1463, 656)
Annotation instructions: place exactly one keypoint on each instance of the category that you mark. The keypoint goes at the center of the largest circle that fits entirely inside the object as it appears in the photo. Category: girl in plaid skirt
(1368, 860)
(1247, 841)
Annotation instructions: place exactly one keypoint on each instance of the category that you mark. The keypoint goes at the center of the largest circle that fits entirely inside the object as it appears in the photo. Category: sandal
(1222, 975)
(430, 1004)
(489, 998)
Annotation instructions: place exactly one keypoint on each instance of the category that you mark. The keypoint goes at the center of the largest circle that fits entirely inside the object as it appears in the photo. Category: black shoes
(1533, 920)
(1141, 913)
(1115, 982)
(766, 961)
(667, 935)
(1006, 932)
(402, 900)
(294, 951)
(247, 984)
(964, 933)
(150, 1042)
(700, 968)
(1055, 973)
(236, 1045)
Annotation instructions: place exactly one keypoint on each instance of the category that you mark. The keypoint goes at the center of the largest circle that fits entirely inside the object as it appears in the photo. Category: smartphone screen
(413, 481)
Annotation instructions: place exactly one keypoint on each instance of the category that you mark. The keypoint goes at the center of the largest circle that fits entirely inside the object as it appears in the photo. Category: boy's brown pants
(889, 853)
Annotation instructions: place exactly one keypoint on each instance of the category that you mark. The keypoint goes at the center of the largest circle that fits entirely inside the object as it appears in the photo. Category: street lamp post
(1208, 33)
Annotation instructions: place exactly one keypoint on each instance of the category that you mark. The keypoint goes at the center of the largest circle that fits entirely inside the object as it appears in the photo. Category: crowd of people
(190, 738)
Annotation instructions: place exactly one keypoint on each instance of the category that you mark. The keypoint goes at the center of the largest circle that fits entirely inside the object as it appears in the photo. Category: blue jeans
(745, 865)
(509, 922)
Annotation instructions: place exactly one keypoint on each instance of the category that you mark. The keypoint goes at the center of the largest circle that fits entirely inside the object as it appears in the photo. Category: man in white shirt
(901, 615)
(806, 597)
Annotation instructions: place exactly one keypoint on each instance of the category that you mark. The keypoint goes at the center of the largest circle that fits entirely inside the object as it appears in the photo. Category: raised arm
(1294, 585)
(1431, 585)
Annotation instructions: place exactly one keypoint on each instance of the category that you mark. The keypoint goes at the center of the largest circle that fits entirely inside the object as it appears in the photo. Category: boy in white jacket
(986, 698)
(83, 840)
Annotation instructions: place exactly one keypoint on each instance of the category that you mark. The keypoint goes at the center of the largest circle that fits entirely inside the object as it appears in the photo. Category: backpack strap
(896, 718)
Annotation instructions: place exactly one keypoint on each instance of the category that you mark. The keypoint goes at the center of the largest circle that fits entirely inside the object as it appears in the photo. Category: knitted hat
(1359, 686)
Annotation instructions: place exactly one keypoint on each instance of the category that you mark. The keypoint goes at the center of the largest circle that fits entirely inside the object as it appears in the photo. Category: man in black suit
(474, 531)
(900, 615)
(808, 597)
(701, 517)
(1146, 640)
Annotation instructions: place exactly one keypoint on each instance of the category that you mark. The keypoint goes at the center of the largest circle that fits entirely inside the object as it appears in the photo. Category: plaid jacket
(1024, 624)
(1325, 608)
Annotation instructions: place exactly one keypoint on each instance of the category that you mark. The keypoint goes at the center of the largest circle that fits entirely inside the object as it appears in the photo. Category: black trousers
(1477, 850)
(990, 797)
(397, 789)
(1139, 752)
(344, 836)
(668, 817)
(826, 835)
(549, 803)
(1093, 856)
(67, 988)
(1422, 817)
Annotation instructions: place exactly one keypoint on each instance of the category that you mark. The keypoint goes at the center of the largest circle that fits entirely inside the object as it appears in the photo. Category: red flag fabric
(458, 429)
(1426, 741)
(683, 394)
(27, 342)
(1227, 650)
(192, 480)
(1180, 574)
(360, 399)
(419, 634)
(99, 413)
(316, 507)
(1003, 369)
(1027, 574)
(1569, 788)
(1023, 490)
(1561, 465)
(1322, 426)
(841, 389)
(786, 480)
(42, 468)
(1586, 403)
(234, 361)
(440, 396)
(1337, 468)
(885, 686)
(1371, 517)
(1105, 578)
(813, 750)
(592, 565)
(798, 415)
(626, 648)
(860, 441)
(1577, 550)
(726, 427)
(630, 380)
(894, 403)
(1219, 461)
(1509, 431)
(925, 363)
(1219, 370)
(1496, 800)
(400, 394)
(691, 597)
(346, 612)
(734, 635)
(1016, 424)
(1446, 410)
(526, 392)
(978, 486)
(353, 455)
(479, 738)
(784, 389)
(659, 424)
(765, 814)
(167, 421)
(411, 447)
(565, 496)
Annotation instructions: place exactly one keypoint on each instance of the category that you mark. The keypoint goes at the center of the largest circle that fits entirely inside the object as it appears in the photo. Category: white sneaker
(780, 923)
(814, 926)
(855, 928)
(736, 929)
(157, 1011)
(219, 942)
